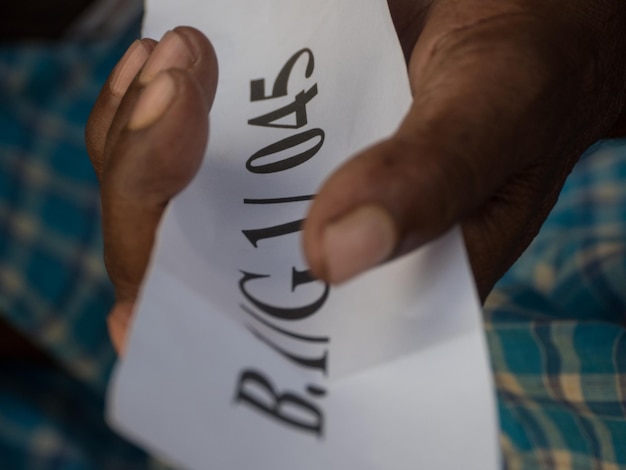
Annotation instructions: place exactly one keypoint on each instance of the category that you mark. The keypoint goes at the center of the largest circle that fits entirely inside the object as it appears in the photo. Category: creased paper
(238, 358)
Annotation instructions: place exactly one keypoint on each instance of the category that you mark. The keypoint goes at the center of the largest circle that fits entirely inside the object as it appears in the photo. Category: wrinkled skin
(507, 95)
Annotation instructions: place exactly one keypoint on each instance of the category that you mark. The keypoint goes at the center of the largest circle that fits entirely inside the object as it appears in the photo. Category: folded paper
(238, 357)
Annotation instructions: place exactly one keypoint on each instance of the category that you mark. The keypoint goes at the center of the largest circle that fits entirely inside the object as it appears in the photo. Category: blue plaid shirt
(555, 326)
(53, 285)
(554, 323)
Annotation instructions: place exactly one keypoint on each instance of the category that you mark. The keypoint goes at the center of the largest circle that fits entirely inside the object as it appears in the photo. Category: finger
(155, 156)
(110, 97)
(487, 99)
(185, 48)
(118, 323)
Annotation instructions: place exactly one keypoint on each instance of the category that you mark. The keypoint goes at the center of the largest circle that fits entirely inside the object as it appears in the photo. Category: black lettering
(257, 87)
(255, 390)
(300, 277)
(278, 200)
(286, 144)
(296, 313)
(297, 108)
(256, 235)
(316, 390)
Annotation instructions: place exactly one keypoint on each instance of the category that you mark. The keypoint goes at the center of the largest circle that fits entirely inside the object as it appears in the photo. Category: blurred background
(55, 355)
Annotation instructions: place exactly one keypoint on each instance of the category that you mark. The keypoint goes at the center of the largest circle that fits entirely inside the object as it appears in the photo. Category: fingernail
(118, 323)
(153, 102)
(127, 68)
(358, 241)
(171, 52)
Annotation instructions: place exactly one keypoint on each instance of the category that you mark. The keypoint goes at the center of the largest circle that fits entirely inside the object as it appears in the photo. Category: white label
(237, 358)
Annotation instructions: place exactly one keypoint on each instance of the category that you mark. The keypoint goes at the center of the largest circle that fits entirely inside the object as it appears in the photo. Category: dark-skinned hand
(507, 94)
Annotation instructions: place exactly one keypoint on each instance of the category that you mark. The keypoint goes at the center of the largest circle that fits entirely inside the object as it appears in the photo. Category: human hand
(507, 95)
(146, 137)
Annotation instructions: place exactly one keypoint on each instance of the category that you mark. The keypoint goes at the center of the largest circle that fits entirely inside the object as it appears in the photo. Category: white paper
(236, 360)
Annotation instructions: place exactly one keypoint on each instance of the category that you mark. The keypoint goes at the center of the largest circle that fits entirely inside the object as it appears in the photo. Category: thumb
(487, 101)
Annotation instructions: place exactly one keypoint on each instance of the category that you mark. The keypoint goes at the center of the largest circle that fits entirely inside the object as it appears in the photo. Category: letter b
(288, 408)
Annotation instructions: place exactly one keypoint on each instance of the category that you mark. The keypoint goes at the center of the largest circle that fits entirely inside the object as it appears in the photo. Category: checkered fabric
(53, 286)
(555, 326)
(51, 273)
